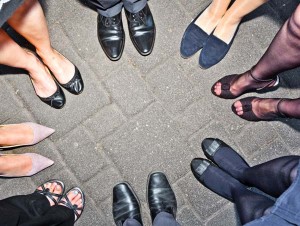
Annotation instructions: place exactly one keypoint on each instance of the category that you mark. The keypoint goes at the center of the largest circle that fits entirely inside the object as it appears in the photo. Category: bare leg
(209, 19)
(42, 81)
(30, 22)
(232, 18)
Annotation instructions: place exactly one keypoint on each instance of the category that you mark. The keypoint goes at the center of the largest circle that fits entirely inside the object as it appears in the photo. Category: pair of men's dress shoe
(141, 30)
(160, 195)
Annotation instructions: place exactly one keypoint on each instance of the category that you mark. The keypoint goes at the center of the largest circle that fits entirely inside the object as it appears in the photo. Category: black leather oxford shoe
(56, 100)
(161, 197)
(111, 36)
(142, 30)
(125, 204)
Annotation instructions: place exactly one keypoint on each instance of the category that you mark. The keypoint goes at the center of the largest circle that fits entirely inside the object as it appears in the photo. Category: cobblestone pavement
(144, 114)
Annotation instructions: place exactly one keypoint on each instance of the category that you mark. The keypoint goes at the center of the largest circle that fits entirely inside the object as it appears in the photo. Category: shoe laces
(139, 17)
(109, 21)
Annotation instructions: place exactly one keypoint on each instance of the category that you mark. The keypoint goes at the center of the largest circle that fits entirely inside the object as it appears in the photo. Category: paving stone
(9, 96)
(256, 137)
(204, 202)
(196, 116)
(194, 7)
(225, 217)
(100, 186)
(105, 121)
(156, 135)
(128, 90)
(15, 186)
(77, 146)
(172, 89)
(187, 217)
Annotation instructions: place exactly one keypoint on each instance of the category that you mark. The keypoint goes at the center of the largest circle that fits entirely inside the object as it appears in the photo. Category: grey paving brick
(128, 90)
(204, 202)
(156, 135)
(100, 186)
(8, 95)
(187, 217)
(195, 117)
(105, 121)
(194, 7)
(16, 186)
(173, 89)
(255, 137)
(228, 216)
(77, 146)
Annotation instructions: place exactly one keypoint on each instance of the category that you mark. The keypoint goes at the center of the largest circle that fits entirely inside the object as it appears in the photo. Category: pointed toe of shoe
(113, 49)
(144, 43)
(39, 163)
(40, 132)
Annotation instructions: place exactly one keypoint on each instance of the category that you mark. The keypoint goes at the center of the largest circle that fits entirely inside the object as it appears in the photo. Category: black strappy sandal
(67, 203)
(230, 79)
(249, 115)
(49, 194)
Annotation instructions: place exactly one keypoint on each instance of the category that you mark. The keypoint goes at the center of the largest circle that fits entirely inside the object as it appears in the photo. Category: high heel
(228, 80)
(39, 163)
(39, 133)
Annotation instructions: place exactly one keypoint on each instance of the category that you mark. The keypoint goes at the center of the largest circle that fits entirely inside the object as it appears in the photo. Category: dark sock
(284, 52)
(272, 177)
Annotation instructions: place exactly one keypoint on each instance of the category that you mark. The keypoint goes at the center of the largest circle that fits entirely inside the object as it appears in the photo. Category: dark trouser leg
(165, 219)
(134, 6)
(55, 216)
(107, 8)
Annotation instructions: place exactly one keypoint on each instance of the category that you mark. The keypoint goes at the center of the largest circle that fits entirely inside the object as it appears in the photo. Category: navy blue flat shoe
(214, 51)
(193, 39)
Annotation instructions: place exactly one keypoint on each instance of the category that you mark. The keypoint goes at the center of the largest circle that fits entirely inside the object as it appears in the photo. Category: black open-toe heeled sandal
(67, 203)
(249, 115)
(45, 191)
(228, 80)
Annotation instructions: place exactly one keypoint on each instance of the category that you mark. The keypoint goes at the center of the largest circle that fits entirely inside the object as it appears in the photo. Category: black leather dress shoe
(142, 30)
(111, 36)
(56, 100)
(161, 197)
(75, 85)
(125, 204)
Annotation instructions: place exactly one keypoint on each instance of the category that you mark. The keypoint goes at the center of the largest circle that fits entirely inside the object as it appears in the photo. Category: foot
(257, 109)
(23, 134)
(16, 134)
(53, 191)
(225, 157)
(22, 165)
(74, 199)
(161, 197)
(232, 86)
(209, 19)
(41, 78)
(62, 69)
(111, 36)
(125, 204)
(141, 30)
